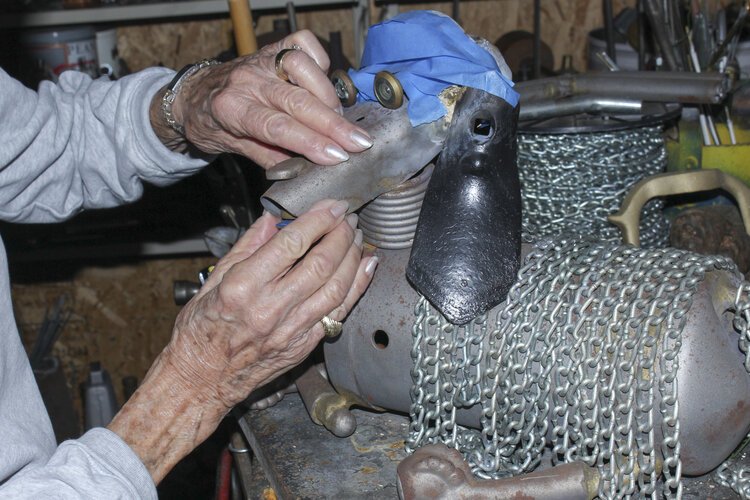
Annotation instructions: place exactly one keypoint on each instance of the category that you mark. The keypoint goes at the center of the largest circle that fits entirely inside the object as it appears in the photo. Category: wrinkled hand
(257, 316)
(259, 312)
(243, 107)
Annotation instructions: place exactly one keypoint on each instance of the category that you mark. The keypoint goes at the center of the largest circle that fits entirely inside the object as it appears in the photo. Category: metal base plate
(303, 460)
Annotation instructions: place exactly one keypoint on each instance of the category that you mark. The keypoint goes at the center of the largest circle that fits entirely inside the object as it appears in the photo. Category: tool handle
(242, 24)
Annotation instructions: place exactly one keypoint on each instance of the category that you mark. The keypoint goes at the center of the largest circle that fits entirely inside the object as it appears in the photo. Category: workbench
(299, 459)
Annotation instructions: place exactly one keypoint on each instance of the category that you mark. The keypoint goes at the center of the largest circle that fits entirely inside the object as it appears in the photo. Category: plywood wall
(122, 315)
(565, 25)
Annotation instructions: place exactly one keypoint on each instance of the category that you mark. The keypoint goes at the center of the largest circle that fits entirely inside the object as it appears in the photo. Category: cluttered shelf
(139, 11)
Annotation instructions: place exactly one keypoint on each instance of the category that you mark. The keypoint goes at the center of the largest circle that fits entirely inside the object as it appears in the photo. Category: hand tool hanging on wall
(242, 24)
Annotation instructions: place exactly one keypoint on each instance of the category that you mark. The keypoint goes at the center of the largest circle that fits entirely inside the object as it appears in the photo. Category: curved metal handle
(628, 218)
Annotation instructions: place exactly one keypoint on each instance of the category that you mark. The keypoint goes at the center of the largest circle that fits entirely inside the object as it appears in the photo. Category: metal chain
(572, 182)
(578, 355)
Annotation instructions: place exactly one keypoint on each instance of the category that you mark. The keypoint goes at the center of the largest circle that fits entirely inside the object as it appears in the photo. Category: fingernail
(370, 267)
(339, 208)
(358, 238)
(361, 139)
(352, 220)
(336, 153)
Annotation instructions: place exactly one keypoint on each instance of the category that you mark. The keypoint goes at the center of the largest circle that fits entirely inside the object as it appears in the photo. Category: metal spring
(390, 220)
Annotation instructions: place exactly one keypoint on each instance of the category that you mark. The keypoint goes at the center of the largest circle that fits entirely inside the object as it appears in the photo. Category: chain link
(572, 182)
(570, 367)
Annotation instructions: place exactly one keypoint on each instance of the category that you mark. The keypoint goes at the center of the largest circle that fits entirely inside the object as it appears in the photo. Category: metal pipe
(641, 36)
(649, 86)
(291, 13)
(733, 33)
(537, 47)
(609, 28)
(550, 108)
(660, 29)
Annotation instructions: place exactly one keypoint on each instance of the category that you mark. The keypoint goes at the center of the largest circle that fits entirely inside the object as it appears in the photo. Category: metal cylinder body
(372, 359)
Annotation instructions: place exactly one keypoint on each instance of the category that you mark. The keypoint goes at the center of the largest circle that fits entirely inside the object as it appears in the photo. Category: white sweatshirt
(79, 144)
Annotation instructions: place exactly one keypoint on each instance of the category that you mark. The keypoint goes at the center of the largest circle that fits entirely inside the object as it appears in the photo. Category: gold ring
(279, 62)
(331, 327)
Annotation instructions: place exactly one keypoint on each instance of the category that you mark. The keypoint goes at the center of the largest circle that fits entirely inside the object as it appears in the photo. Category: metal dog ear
(467, 247)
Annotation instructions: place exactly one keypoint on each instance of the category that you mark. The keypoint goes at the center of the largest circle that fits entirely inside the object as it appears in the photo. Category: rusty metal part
(436, 471)
(627, 219)
(345, 89)
(399, 152)
(467, 246)
(712, 230)
(517, 47)
(653, 86)
(389, 221)
(326, 407)
(388, 90)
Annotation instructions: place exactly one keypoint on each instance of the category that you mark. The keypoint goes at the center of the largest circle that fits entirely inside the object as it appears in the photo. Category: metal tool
(438, 472)
(326, 406)
(242, 26)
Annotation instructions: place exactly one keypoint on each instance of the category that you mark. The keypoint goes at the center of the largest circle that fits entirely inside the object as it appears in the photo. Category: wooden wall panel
(565, 26)
(122, 315)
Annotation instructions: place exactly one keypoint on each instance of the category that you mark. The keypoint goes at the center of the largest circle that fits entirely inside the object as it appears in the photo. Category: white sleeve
(81, 143)
(97, 465)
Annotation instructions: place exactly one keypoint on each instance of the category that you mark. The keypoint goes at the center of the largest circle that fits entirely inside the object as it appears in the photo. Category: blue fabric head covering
(427, 51)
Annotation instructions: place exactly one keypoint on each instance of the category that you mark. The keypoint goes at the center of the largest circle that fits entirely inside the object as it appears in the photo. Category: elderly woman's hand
(244, 107)
(257, 316)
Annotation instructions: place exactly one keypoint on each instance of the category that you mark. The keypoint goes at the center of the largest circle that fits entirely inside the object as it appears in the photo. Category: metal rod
(661, 33)
(551, 108)
(641, 36)
(703, 117)
(609, 28)
(537, 48)
(291, 13)
(735, 30)
(730, 125)
(653, 86)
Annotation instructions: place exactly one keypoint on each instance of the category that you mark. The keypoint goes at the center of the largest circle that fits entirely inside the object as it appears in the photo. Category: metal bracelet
(174, 88)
